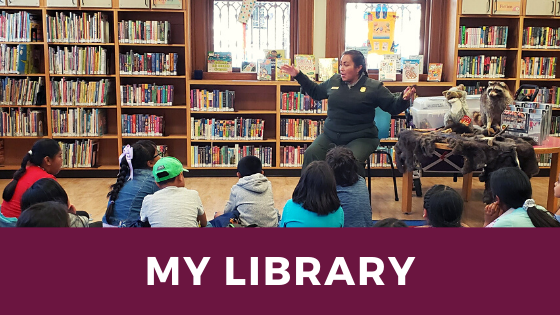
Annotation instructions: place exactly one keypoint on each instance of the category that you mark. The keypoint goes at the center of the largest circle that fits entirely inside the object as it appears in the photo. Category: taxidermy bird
(457, 118)
(493, 102)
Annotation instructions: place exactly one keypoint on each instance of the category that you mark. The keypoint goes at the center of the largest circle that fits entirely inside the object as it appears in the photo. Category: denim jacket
(129, 202)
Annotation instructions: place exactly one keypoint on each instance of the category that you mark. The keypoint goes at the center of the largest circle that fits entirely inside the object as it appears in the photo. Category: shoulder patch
(334, 88)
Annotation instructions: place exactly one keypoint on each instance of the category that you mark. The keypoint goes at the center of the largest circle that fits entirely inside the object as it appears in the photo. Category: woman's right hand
(291, 70)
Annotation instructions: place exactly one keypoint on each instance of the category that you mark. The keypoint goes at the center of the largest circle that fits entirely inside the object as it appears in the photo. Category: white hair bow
(128, 153)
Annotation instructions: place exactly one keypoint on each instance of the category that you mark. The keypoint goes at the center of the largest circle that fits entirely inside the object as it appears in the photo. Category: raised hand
(291, 70)
(409, 93)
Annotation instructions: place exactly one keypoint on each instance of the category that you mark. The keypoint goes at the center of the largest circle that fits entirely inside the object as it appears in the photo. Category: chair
(383, 123)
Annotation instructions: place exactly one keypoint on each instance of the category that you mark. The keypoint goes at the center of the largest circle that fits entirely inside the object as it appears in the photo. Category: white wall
(319, 28)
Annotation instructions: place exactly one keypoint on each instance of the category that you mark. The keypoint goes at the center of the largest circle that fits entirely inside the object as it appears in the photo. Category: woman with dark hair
(134, 182)
(513, 206)
(44, 160)
(45, 214)
(443, 207)
(352, 97)
(48, 189)
(350, 187)
(314, 201)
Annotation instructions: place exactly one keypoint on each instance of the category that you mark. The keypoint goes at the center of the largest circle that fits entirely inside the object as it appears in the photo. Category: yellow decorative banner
(381, 33)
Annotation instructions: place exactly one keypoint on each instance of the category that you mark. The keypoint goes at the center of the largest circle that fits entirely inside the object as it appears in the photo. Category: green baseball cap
(166, 168)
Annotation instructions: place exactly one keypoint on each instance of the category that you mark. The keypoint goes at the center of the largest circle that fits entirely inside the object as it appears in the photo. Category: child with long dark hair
(134, 182)
(443, 207)
(314, 201)
(513, 206)
(44, 160)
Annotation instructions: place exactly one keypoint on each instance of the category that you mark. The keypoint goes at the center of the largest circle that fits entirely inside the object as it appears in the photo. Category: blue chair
(383, 123)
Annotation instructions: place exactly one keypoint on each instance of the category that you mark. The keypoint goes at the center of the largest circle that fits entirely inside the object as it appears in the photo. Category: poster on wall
(381, 30)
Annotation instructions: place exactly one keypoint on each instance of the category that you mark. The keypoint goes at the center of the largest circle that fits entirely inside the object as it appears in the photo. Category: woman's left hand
(409, 93)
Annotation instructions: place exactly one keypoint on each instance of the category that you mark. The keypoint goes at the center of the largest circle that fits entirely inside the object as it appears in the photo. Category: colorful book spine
(147, 95)
(481, 66)
(144, 32)
(214, 100)
(83, 27)
(224, 156)
(541, 37)
(22, 91)
(538, 67)
(397, 124)
(381, 159)
(235, 129)
(544, 160)
(22, 122)
(292, 156)
(483, 37)
(83, 122)
(131, 63)
(79, 92)
(475, 89)
(296, 102)
(20, 27)
(300, 129)
(80, 153)
(142, 125)
(78, 60)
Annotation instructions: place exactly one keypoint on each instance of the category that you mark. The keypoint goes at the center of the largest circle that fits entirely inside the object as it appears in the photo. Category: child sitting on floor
(314, 202)
(252, 195)
(173, 205)
(557, 195)
(443, 207)
(44, 214)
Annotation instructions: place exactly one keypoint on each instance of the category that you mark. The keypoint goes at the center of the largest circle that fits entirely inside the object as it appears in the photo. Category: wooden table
(550, 146)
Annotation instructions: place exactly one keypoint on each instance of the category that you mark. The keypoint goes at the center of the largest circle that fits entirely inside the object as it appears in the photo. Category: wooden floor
(89, 194)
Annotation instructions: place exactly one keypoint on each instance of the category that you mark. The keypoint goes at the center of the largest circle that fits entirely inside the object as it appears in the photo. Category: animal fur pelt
(478, 153)
(493, 102)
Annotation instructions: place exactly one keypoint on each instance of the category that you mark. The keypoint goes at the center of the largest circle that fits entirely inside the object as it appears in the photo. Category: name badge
(363, 89)
(334, 88)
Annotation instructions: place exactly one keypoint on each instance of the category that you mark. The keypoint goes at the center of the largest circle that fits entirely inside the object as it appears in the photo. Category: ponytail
(41, 149)
(541, 218)
(116, 187)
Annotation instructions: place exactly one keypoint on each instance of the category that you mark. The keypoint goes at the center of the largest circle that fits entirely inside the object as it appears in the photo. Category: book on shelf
(78, 60)
(83, 27)
(215, 100)
(381, 159)
(395, 127)
(292, 156)
(481, 66)
(80, 153)
(147, 95)
(541, 37)
(221, 129)
(131, 63)
(79, 122)
(280, 74)
(20, 26)
(2, 158)
(555, 126)
(142, 125)
(297, 102)
(160, 148)
(144, 32)
(387, 70)
(411, 70)
(22, 122)
(327, 68)
(306, 64)
(275, 54)
(420, 59)
(248, 66)
(476, 89)
(20, 59)
(80, 92)
(544, 160)
(266, 69)
(300, 129)
(219, 62)
(538, 68)
(22, 91)
(483, 37)
(227, 156)
(435, 71)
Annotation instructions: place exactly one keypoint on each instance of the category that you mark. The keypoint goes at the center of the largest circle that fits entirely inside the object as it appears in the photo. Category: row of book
(483, 37)
(544, 159)
(538, 68)
(82, 122)
(475, 89)
(215, 100)
(142, 125)
(555, 126)
(78, 60)
(292, 156)
(297, 102)
(224, 156)
(20, 59)
(381, 159)
(83, 27)
(147, 95)
(79, 92)
(80, 153)
(481, 66)
(300, 129)
(22, 91)
(132, 63)
(541, 37)
(397, 124)
(20, 26)
(22, 122)
(235, 129)
(144, 32)
(544, 95)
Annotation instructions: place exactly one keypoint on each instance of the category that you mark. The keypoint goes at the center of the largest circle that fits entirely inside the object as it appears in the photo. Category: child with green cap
(173, 205)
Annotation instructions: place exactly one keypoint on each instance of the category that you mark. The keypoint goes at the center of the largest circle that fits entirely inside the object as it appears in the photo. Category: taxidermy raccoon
(493, 102)
(457, 118)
